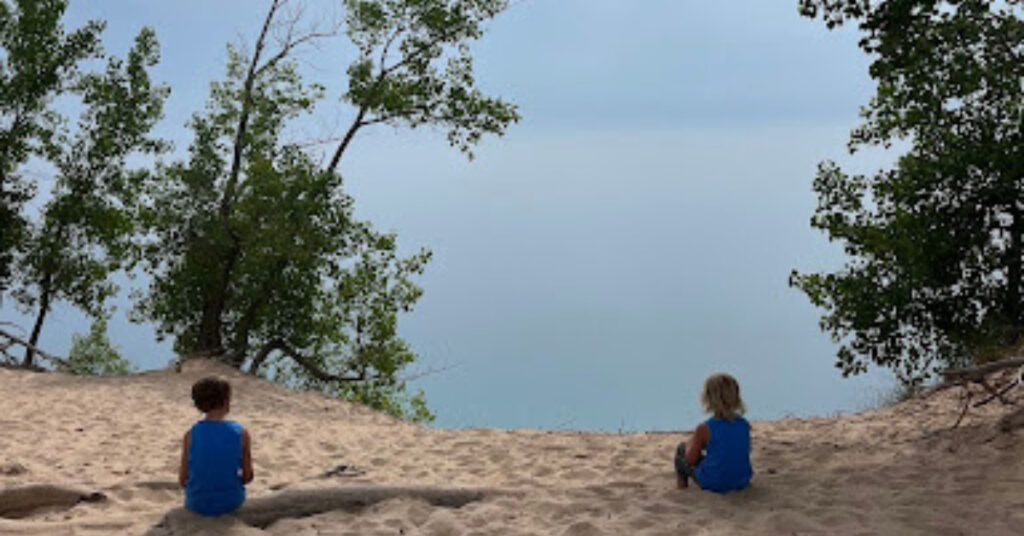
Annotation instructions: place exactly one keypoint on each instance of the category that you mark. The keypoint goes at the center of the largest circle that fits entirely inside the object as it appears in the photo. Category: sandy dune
(330, 468)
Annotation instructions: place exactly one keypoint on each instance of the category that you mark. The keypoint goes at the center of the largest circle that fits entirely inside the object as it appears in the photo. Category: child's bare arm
(247, 473)
(695, 447)
(183, 469)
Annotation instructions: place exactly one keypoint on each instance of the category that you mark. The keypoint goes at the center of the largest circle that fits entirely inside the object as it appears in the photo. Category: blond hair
(721, 397)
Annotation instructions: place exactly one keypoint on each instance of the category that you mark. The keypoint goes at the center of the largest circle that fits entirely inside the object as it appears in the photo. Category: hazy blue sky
(631, 235)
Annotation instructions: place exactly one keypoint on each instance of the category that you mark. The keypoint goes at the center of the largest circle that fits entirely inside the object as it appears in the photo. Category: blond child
(718, 455)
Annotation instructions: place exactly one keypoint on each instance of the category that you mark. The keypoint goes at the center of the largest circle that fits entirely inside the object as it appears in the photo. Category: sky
(631, 235)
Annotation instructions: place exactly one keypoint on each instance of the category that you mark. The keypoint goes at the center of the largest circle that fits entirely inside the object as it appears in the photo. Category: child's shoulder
(234, 425)
(733, 420)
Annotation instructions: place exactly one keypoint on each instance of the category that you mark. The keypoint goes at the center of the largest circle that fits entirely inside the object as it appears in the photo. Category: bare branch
(999, 394)
(963, 411)
(59, 362)
(314, 369)
(430, 371)
(317, 142)
(979, 372)
(347, 139)
(288, 48)
(243, 120)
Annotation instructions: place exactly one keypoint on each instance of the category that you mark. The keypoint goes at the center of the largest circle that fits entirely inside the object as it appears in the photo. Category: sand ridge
(896, 470)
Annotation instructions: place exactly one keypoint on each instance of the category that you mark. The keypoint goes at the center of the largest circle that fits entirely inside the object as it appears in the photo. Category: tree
(94, 355)
(935, 242)
(368, 298)
(256, 256)
(38, 62)
(86, 228)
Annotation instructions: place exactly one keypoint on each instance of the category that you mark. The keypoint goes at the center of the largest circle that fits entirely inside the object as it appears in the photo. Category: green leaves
(87, 227)
(94, 355)
(415, 67)
(39, 62)
(935, 242)
(84, 232)
(254, 251)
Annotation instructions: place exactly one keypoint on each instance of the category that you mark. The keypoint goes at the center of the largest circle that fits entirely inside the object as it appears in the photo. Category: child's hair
(721, 397)
(210, 393)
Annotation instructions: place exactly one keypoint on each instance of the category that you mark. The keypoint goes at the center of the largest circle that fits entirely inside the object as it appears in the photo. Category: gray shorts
(683, 467)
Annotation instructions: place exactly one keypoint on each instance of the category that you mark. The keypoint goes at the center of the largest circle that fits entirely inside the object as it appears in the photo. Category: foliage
(84, 231)
(255, 254)
(94, 355)
(86, 228)
(413, 89)
(935, 242)
(38, 62)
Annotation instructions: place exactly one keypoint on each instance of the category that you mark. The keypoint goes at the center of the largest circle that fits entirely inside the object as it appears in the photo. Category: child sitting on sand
(216, 459)
(718, 456)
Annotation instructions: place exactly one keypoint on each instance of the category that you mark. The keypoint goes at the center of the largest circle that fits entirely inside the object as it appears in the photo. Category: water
(632, 235)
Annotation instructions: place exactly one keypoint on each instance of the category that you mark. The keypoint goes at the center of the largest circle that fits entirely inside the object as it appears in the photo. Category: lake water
(632, 235)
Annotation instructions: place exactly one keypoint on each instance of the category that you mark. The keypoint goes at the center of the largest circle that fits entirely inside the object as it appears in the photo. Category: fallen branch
(1000, 394)
(313, 368)
(963, 411)
(261, 512)
(20, 502)
(978, 373)
(60, 363)
(964, 377)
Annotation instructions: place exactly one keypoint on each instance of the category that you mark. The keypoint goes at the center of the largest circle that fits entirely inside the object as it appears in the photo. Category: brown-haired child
(216, 455)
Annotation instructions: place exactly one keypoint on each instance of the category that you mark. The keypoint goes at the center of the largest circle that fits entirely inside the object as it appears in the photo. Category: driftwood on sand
(8, 339)
(20, 502)
(261, 512)
(980, 375)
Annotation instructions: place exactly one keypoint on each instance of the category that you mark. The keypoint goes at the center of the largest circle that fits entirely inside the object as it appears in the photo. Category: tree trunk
(262, 354)
(44, 307)
(210, 337)
(240, 346)
(228, 199)
(1013, 272)
(336, 159)
(209, 340)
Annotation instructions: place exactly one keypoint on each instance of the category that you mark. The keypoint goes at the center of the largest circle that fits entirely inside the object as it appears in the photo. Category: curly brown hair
(210, 393)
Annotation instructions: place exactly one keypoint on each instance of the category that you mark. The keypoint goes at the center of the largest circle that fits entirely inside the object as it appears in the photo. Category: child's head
(721, 396)
(211, 393)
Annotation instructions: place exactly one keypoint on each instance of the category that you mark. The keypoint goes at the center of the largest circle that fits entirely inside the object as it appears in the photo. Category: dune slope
(98, 456)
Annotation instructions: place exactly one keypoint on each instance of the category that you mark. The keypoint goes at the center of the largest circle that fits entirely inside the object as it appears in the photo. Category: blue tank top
(214, 484)
(726, 464)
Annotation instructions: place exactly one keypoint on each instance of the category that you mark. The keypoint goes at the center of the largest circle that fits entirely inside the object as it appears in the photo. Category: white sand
(889, 471)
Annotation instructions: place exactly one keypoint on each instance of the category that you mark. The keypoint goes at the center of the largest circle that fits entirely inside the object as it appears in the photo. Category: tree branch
(59, 362)
(314, 369)
(428, 372)
(289, 45)
(243, 120)
(979, 372)
(356, 125)
(384, 72)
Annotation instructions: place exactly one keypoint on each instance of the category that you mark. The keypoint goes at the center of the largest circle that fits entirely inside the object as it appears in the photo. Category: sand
(327, 467)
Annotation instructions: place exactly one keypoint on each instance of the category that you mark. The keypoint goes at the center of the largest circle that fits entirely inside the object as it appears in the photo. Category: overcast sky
(631, 235)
